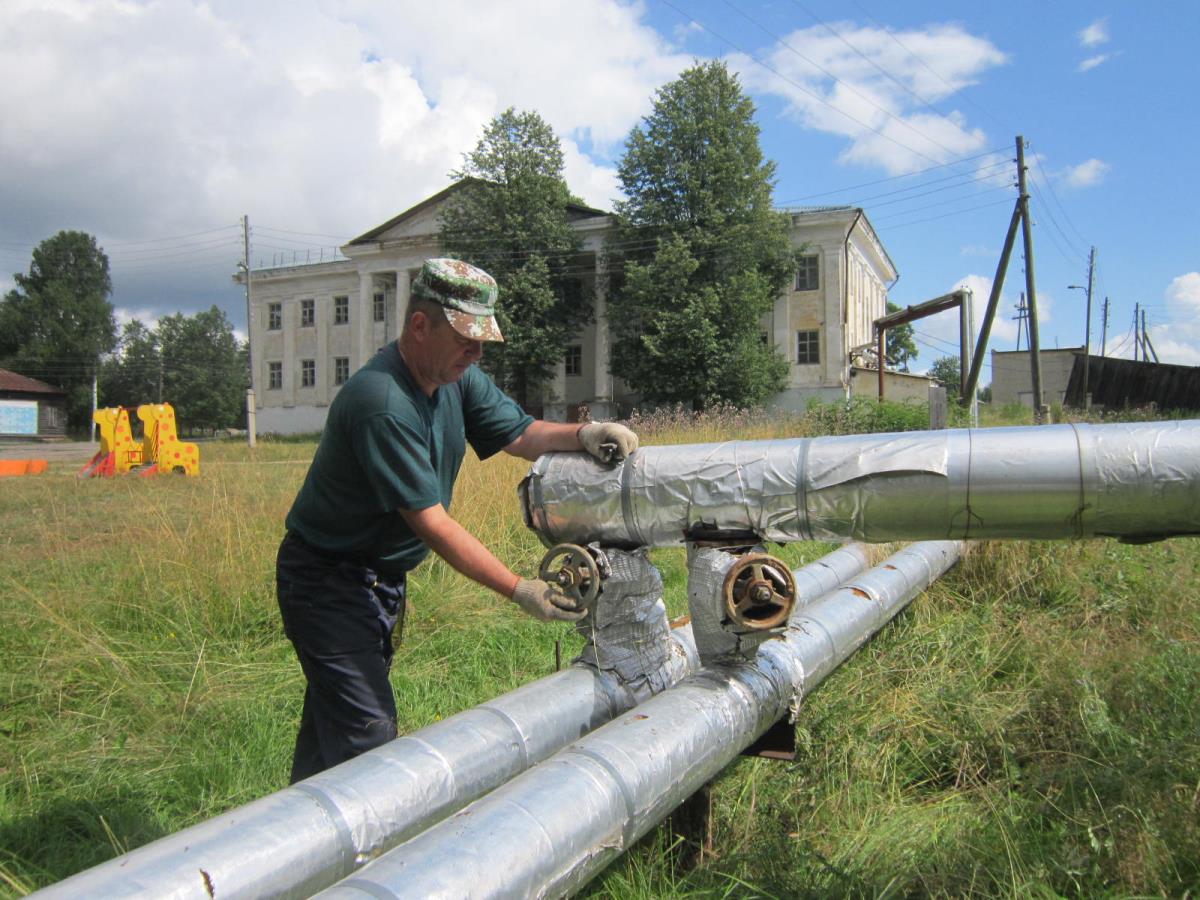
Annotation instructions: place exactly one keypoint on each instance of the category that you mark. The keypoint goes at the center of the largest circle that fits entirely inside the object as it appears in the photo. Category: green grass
(1028, 727)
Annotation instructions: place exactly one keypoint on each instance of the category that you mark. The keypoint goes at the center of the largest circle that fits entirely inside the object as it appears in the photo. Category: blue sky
(157, 125)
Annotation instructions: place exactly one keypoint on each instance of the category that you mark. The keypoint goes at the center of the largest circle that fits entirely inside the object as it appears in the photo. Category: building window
(341, 369)
(308, 313)
(808, 347)
(575, 360)
(341, 310)
(308, 372)
(377, 306)
(274, 376)
(274, 316)
(808, 275)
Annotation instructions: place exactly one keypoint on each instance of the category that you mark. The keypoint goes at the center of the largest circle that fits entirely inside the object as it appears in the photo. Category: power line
(953, 162)
(949, 214)
(1049, 184)
(798, 86)
(886, 74)
(926, 66)
(837, 80)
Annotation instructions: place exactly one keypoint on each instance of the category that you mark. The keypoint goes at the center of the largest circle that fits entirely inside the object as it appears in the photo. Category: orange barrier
(22, 467)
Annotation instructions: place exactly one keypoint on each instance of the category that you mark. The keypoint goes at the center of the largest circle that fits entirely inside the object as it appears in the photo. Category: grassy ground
(1029, 727)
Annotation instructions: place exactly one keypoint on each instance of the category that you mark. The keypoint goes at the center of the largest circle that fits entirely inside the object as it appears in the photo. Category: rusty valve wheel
(759, 592)
(573, 569)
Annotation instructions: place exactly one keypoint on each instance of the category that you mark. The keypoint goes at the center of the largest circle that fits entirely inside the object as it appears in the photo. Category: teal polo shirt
(387, 447)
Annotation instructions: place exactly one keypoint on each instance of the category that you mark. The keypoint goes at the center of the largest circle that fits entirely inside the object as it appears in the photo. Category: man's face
(450, 354)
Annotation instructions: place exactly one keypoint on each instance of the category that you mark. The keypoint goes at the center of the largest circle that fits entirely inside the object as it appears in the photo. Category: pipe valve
(577, 570)
(759, 592)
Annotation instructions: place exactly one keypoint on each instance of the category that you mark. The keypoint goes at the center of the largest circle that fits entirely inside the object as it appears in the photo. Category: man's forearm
(464, 552)
(545, 437)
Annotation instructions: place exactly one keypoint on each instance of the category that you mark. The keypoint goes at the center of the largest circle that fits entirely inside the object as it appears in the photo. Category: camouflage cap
(466, 293)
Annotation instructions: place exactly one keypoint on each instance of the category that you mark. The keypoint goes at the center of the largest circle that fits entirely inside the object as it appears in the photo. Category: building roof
(574, 211)
(11, 381)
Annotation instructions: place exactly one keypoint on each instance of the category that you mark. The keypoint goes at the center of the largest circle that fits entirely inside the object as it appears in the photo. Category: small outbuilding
(31, 409)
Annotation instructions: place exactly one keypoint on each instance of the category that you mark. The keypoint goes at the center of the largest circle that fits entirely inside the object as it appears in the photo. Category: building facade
(312, 325)
(30, 408)
(1012, 375)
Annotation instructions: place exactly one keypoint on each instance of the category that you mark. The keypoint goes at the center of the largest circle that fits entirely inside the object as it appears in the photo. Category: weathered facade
(30, 408)
(1012, 378)
(313, 325)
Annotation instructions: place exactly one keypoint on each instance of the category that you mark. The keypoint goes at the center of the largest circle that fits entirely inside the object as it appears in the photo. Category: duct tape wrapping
(627, 632)
(1136, 481)
(707, 567)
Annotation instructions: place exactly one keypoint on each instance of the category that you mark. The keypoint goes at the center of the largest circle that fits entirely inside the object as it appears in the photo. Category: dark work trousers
(340, 616)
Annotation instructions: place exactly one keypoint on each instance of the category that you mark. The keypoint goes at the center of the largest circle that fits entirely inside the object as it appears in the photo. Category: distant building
(1012, 377)
(312, 325)
(30, 408)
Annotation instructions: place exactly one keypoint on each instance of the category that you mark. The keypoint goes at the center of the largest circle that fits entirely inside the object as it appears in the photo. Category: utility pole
(1035, 360)
(1104, 329)
(251, 426)
(1020, 318)
(1146, 344)
(1087, 332)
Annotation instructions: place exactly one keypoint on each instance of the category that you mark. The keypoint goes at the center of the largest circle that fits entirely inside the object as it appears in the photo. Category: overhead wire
(920, 61)
(800, 87)
(865, 184)
(783, 43)
(886, 74)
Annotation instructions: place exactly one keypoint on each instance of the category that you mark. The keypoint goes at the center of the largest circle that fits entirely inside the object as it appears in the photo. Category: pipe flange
(573, 569)
(759, 592)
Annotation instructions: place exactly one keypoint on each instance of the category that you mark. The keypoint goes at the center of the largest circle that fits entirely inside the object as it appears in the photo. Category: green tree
(704, 253)
(946, 372)
(204, 369)
(510, 217)
(900, 344)
(58, 322)
(131, 375)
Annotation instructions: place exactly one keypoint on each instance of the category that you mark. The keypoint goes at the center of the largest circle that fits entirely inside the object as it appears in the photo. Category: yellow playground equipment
(160, 449)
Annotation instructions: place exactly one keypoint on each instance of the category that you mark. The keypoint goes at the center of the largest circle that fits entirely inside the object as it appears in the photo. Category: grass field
(1029, 727)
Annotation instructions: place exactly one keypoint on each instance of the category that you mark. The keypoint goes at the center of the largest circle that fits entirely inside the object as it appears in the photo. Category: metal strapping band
(331, 809)
(630, 828)
(805, 528)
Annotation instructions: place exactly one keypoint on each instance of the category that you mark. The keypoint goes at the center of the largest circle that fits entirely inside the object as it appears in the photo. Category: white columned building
(313, 325)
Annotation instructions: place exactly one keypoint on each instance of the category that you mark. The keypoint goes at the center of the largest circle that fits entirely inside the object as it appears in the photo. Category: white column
(323, 360)
(291, 334)
(361, 316)
(603, 406)
(401, 300)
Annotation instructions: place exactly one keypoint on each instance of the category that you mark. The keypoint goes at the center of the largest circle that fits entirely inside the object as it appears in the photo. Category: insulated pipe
(304, 838)
(546, 832)
(1137, 481)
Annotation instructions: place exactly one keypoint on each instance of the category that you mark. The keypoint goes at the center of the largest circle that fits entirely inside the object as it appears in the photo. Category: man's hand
(545, 602)
(608, 441)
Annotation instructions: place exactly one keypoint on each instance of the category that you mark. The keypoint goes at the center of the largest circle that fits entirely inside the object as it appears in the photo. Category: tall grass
(1028, 727)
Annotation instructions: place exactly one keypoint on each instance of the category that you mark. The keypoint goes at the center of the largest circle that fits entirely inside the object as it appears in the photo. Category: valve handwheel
(760, 592)
(575, 570)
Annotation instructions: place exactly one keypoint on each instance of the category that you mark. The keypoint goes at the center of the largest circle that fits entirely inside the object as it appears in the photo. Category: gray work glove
(608, 441)
(545, 602)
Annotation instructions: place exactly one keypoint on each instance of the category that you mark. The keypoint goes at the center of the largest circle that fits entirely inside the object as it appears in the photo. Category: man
(376, 501)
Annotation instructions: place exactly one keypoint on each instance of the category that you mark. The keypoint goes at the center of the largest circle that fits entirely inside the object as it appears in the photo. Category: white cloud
(1176, 346)
(1087, 174)
(132, 120)
(1183, 293)
(1094, 34)
(1092, 61)
(145, 315)
(829, 87)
